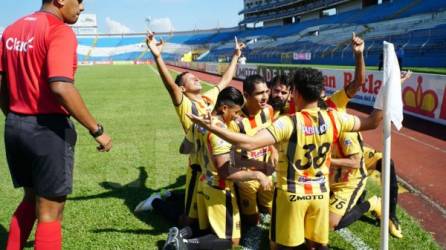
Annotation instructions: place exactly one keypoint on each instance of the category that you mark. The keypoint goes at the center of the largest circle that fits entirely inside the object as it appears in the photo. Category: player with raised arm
(281, 98)
(217, 205)
(300, 202)
(187, 97)
(351, 161)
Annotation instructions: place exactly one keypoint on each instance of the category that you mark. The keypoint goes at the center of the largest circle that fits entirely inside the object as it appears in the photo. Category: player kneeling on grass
(301, 197)
(217, 204)
(348, 178)
(187, 96)
(350, 164)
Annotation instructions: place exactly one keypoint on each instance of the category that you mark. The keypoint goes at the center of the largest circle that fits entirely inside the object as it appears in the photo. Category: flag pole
(385, 173)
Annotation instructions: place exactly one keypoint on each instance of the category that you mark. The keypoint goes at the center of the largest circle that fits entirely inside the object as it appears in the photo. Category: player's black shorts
(40, 152)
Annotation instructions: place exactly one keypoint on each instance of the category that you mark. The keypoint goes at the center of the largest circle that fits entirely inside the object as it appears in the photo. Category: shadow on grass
(132, 193)
(3, 237)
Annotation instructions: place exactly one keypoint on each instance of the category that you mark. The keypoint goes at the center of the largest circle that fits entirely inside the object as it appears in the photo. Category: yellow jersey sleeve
(182, 109)
(282, 128)
(350, 144)
(339, 100)
(217, 145)
(345, 122)
(233, 126)
(212, 95)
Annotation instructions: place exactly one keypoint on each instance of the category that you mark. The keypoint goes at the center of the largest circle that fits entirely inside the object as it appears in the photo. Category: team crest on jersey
(348, 142)
(279, 124)
(200, 129)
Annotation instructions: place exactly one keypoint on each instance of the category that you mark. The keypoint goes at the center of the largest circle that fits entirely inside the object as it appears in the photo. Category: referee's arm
(4, 97)
(69, 97)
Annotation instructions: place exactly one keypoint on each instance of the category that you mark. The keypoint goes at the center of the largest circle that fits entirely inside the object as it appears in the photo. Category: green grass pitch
(136, 111)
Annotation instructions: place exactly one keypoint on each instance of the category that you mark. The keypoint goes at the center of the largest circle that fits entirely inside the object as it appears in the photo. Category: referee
(37, 96)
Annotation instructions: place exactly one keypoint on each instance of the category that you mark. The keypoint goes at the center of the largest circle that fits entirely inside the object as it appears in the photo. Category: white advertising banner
(424, 95)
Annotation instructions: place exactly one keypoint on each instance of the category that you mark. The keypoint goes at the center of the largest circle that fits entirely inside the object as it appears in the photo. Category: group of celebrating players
(282, 148)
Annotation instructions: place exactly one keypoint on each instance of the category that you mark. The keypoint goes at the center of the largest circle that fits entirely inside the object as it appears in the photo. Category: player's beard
(277, 103)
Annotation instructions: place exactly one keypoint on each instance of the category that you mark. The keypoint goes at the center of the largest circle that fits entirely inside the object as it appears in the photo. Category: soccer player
(347, 187)
(300, 202)
(348, 176)
(187, 97)
(37, 65)
(255, 115)
(217, 204)
(280, 97)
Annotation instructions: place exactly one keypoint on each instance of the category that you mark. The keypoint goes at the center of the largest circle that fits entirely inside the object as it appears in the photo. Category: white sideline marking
(419, 141)
(153, 69)
(356, 242)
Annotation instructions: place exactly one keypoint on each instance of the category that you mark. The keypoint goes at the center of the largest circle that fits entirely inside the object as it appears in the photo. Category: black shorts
(40, 152)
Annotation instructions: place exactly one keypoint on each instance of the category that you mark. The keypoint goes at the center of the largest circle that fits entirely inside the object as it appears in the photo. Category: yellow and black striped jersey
(338, 100)
(187, 105)
(250, 125)
(206, 146)
(304, 144)
(349, 143)
(209, 98)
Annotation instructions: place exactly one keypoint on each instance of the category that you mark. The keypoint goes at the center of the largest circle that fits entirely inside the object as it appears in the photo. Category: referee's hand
(105, 142)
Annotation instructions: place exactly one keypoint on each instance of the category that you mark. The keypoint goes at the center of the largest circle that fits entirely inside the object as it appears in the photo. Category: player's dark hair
(230, 96)
(46, 1)
(280, 79)
(179, 79)
(309, 83)
(250, 82)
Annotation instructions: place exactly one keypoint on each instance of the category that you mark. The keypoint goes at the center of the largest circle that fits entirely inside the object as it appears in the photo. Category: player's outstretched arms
(155, 48)
(244, 175)
(229, 74)
(252, 164)
(370, 122)
(237, 174)
(70, 99)
(4, 98)
(359, 80)
(405, 76)
(352, 161)
(260, 139)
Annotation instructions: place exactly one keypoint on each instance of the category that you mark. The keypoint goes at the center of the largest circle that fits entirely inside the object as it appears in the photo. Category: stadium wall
(424, 95)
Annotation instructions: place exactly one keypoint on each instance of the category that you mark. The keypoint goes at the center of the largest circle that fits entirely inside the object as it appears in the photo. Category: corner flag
(391, 88)
(389, 100)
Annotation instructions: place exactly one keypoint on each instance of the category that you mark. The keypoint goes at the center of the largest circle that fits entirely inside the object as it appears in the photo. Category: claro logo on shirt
(17, 45)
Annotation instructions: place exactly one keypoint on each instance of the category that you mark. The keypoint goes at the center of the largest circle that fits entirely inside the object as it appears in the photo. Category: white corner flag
(391, 88)
(389, 100)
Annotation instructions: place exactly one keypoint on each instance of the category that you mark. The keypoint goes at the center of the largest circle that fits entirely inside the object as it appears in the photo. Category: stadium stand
(419, 27)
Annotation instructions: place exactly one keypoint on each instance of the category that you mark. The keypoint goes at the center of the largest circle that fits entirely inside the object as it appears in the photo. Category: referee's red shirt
(36, 50)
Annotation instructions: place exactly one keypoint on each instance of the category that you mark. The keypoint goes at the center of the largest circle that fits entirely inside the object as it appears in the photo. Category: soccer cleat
(146, 205)
(395, 228)
(174, 240)
(375, 206)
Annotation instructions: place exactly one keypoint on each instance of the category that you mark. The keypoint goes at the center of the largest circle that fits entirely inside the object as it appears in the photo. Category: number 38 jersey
(304, 143)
